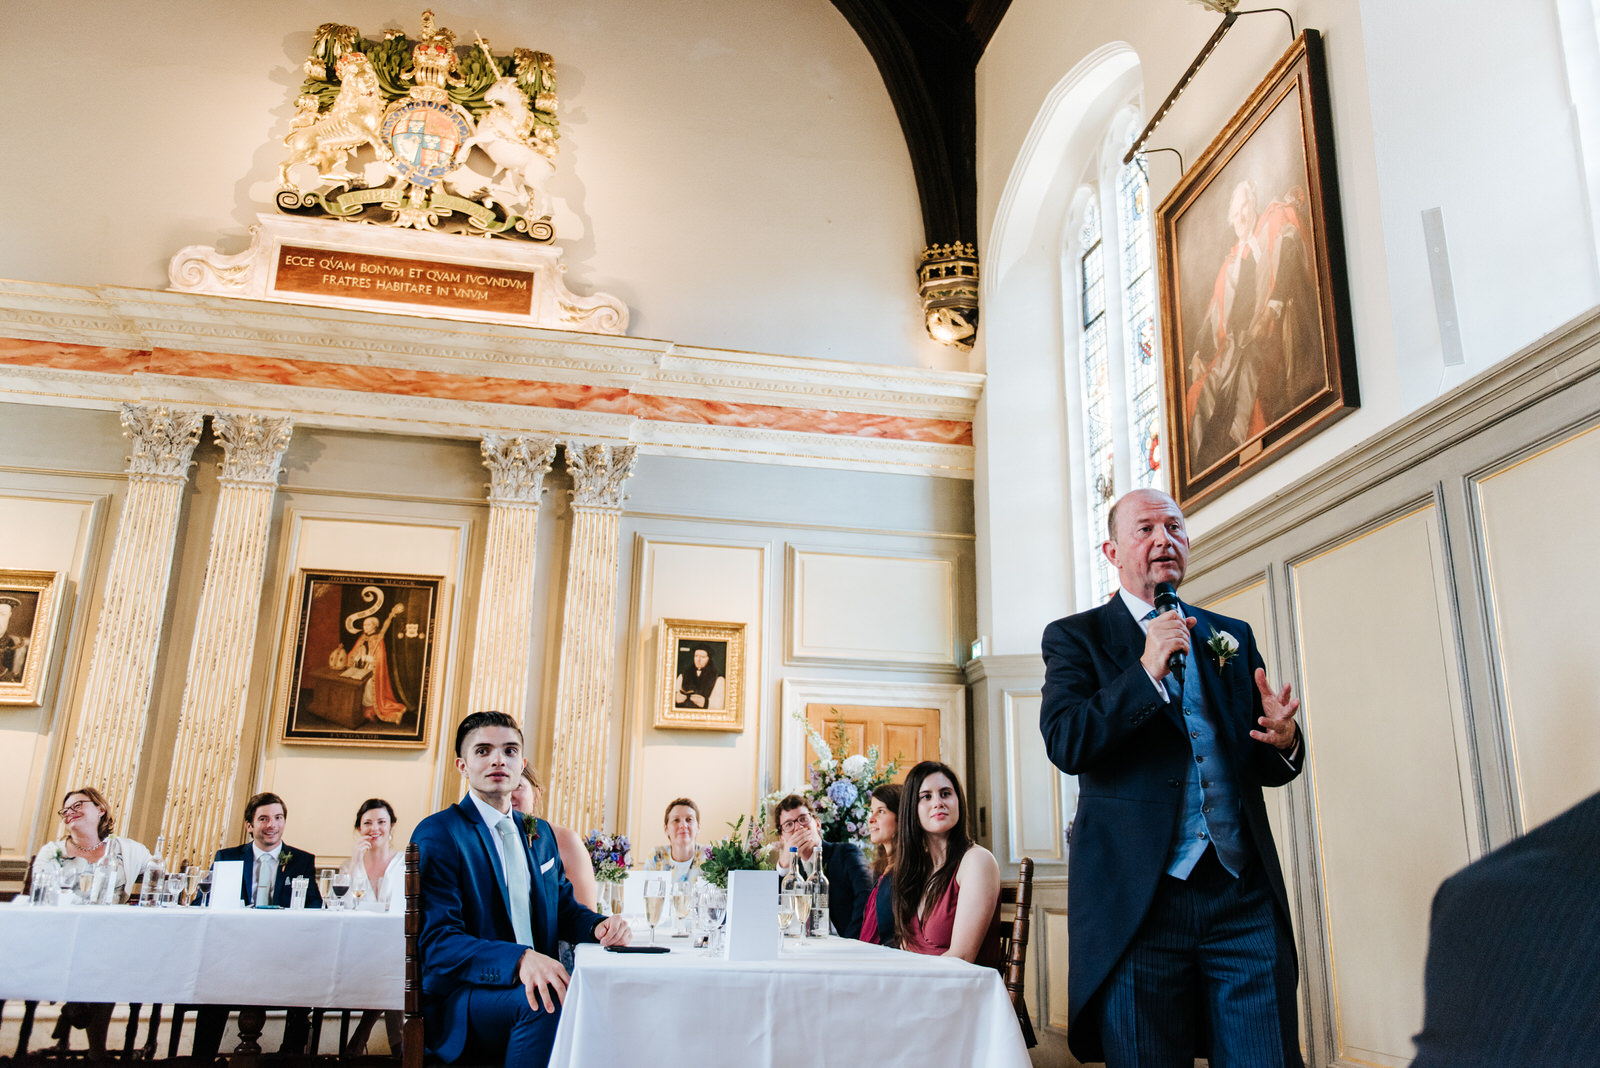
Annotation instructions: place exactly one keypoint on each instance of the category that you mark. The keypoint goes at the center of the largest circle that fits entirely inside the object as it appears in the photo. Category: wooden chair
(1014, 945)
(411, 1042)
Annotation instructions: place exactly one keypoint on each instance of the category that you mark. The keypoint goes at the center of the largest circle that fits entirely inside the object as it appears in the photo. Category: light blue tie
(516, 881)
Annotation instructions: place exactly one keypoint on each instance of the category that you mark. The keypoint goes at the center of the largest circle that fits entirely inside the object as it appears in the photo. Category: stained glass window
(1139, 317)
(1099, 475)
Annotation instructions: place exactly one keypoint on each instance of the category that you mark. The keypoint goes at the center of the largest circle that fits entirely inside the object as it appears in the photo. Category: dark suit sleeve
(448, 950)
(849, 886)
(1089, 708)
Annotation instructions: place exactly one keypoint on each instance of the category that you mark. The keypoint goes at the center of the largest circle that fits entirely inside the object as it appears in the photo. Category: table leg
(25, 1032)
(252, 1018)
(130, 1035)
(178, 1013)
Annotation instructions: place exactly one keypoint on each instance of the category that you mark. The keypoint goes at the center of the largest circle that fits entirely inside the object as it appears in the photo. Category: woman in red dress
(946, 886)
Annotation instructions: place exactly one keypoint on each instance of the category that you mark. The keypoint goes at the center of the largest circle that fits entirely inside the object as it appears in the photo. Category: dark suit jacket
(849, 886)
(1513, 975)
(1104, 722)
(300, 862)
(466, 937)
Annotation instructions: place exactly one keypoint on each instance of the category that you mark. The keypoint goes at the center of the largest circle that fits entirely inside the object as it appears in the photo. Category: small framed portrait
(1255, 305)
(360, 668)
(702, 669)
(29, 607)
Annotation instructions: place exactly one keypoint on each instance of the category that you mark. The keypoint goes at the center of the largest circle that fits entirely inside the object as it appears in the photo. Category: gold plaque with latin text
(364, 276)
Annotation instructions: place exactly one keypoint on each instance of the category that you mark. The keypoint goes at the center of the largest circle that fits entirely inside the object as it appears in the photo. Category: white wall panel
(1541, 534)
(1383, 716)
(1039, 799)
(872, 608)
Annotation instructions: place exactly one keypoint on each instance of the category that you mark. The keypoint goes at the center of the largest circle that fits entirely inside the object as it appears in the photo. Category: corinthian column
(503, 638)
(127, 638)
(583, 680)
(206, 752)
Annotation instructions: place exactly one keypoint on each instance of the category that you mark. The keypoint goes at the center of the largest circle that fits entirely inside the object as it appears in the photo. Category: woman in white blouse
(376, 868)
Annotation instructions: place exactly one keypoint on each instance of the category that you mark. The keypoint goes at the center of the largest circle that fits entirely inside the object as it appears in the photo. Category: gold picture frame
(360, 660)
(29, 605)
(700, 696)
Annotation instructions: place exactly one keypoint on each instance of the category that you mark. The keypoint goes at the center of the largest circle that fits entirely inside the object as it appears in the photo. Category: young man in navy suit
(1177, 917)
(265, 816)
(495, 900)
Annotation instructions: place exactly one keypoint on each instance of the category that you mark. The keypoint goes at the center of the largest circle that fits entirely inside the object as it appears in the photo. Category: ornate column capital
(517, 467)
(163, 440)
(252, 446)
(598, 472)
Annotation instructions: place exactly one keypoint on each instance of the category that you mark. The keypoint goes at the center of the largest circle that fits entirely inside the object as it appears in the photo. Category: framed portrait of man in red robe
(360, 666)
(1255, 303)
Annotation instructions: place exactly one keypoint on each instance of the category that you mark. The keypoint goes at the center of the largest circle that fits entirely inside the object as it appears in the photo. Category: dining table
(823, 1000)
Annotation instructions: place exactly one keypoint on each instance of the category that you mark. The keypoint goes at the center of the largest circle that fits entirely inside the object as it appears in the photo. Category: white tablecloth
(828, 1001)
(195, 955)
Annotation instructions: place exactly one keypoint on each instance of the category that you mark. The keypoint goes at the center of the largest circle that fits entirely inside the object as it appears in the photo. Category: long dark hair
(915, 880)
(883, 859)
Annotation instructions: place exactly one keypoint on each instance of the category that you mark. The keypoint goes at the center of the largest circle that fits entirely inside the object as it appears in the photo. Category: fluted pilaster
(504, 635)
(206, 753)
(583, 683)
(116, 694)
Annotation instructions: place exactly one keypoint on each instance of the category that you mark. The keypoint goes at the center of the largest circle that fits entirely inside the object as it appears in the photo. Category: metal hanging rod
(1194, 68)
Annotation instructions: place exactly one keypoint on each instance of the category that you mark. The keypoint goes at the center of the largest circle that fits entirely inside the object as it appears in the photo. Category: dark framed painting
(29, 607)
(702, 668)
(1255, 307)
(360, 668)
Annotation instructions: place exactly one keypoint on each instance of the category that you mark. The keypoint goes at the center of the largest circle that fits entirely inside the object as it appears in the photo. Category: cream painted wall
(42, 534)
(718, 769)
(326, 784)
(1383, 717)
(1534, 528)
(734, 171)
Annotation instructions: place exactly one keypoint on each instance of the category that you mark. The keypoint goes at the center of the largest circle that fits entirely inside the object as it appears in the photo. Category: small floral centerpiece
(1223, 646)
(740, 851)
(610, 855)
(839, 785)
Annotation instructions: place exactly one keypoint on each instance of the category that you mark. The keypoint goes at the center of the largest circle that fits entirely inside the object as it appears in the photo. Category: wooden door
(909, 735)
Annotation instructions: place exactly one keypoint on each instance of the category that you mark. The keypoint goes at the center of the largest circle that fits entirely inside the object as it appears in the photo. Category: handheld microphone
(1167, 601)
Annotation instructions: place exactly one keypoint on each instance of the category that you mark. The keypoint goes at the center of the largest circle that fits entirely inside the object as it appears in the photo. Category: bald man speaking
(1178, 923)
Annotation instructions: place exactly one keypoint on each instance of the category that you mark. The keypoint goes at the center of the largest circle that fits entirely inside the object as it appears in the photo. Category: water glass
(172, 889)
(297, 891)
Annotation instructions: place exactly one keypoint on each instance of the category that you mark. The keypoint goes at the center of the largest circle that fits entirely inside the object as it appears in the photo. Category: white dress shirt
(491, 817)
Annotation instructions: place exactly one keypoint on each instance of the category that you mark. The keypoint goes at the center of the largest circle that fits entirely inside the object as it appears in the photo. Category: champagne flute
(785, 912)
(325, 885)
(802, 910)
(680, 907)
(655, 896)
(191, 876)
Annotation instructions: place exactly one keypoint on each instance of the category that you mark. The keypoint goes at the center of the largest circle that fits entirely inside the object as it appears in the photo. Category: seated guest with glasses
(682, 854)
(495, 900)
(849, 878)
(268, 860)
(574, 856)
(86, 814)
(882, 826)
(946, 886)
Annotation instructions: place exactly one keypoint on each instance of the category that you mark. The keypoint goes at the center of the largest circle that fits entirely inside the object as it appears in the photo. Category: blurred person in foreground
(877, 923)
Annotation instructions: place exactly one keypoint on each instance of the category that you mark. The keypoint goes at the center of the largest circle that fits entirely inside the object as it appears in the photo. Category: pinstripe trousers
(1209, 968)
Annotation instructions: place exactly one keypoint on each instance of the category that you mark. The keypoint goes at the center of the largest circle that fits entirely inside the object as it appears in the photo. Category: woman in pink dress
(946, 886)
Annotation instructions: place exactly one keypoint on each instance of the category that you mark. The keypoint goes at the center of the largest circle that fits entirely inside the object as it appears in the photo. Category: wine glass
(85, 885)
(716, 906)
(172, 892)
(325, 884)
(655, 896)
(341, 887)
(204, 883)
(680, 907)
(191, 877)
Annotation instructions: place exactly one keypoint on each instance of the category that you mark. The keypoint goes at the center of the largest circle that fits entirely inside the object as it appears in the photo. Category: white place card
(753, 932)
(227, 878)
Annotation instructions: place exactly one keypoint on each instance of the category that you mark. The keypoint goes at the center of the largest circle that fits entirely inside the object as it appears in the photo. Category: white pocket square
(547, 865)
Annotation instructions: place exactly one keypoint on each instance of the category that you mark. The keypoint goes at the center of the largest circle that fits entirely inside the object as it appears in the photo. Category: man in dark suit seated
(1513, 975)
(267, 858)
(849, 877)
(495, 900)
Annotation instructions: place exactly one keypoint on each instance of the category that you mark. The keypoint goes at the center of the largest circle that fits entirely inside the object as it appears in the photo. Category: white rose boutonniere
(1223, 646)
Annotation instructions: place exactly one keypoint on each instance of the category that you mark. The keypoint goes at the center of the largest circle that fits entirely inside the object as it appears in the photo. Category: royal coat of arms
(464, 141)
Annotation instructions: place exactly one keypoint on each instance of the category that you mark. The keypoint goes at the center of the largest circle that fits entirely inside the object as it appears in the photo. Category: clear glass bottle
(817, 888)
(155, 873)
(795, 896)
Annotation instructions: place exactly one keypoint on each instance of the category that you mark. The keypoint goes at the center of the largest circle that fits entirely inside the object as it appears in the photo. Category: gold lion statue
(355, 119)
